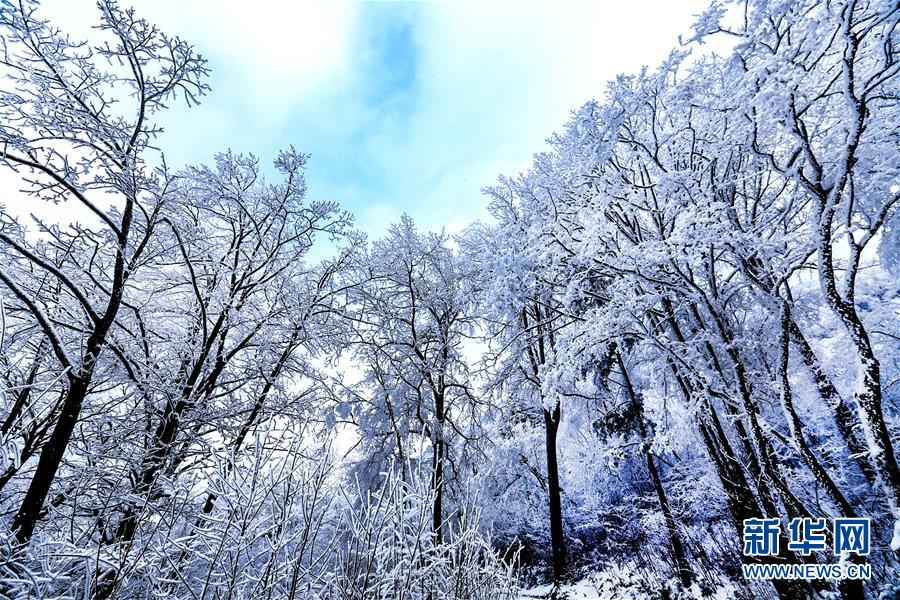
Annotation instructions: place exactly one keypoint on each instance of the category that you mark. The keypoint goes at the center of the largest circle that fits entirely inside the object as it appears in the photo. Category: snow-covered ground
(621, 583)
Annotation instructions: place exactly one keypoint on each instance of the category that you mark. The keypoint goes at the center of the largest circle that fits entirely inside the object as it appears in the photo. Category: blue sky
(404, 107)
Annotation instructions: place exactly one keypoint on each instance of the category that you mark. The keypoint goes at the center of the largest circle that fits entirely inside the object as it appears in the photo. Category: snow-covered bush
(387, 548)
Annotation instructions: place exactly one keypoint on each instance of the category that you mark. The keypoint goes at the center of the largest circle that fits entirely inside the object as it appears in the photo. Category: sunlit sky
(404, 107)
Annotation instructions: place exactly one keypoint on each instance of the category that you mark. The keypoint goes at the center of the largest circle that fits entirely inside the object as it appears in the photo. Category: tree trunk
(437, 484)
(51, 456)
(152, 465)
(868, 402)
(843, 415)
(846, 423)
(557, 536)
(79, 383)
(868, 387)
(796, 426)
(24, 393)
(437, 475)
(684, 570)
(765, 492)
(681, 564)
(742, 504)
(771, 471)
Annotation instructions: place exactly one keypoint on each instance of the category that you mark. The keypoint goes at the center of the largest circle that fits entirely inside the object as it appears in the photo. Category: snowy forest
(681, 316)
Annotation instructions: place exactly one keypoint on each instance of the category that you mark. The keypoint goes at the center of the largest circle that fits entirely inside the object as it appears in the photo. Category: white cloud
(266, 57)
(496, 79)
(493, 80)
(272, 50)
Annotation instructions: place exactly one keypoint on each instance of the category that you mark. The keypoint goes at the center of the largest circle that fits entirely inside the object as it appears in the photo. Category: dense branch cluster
(682, 316)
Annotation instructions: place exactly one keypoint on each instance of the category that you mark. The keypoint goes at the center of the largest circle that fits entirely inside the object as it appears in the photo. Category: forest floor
(617, 584)
(581, 590)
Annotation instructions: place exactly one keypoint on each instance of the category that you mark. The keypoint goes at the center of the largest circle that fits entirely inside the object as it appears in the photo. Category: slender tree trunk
(770, 469)
(437, 484)
(51, 454)
(764, 491)
(742, 503)
(844, 418)
(437, 475)
(766, 495)
(51, 457)
(33, 439)
(846, 422)
(796, 426)
(192, 388)
(831, 192)
(235, 447)
(685, 574)
(868, 387)
(868, 402)
(557, 535)
(79, 383)
(152, 465)
(678, 554)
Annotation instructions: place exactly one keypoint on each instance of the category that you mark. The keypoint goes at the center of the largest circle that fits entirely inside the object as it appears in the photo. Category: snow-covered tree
(412, 319)
(76, 128)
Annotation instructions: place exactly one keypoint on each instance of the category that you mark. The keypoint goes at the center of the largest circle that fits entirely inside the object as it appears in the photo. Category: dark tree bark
(771, 472)
(742, 504)
(557, 534)
(437, 480)
(796, 426)
(685, 574)
(541, 339)
(843, 415)
(832, 190)
(440, 448)
(51, 457)
(80, 377)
